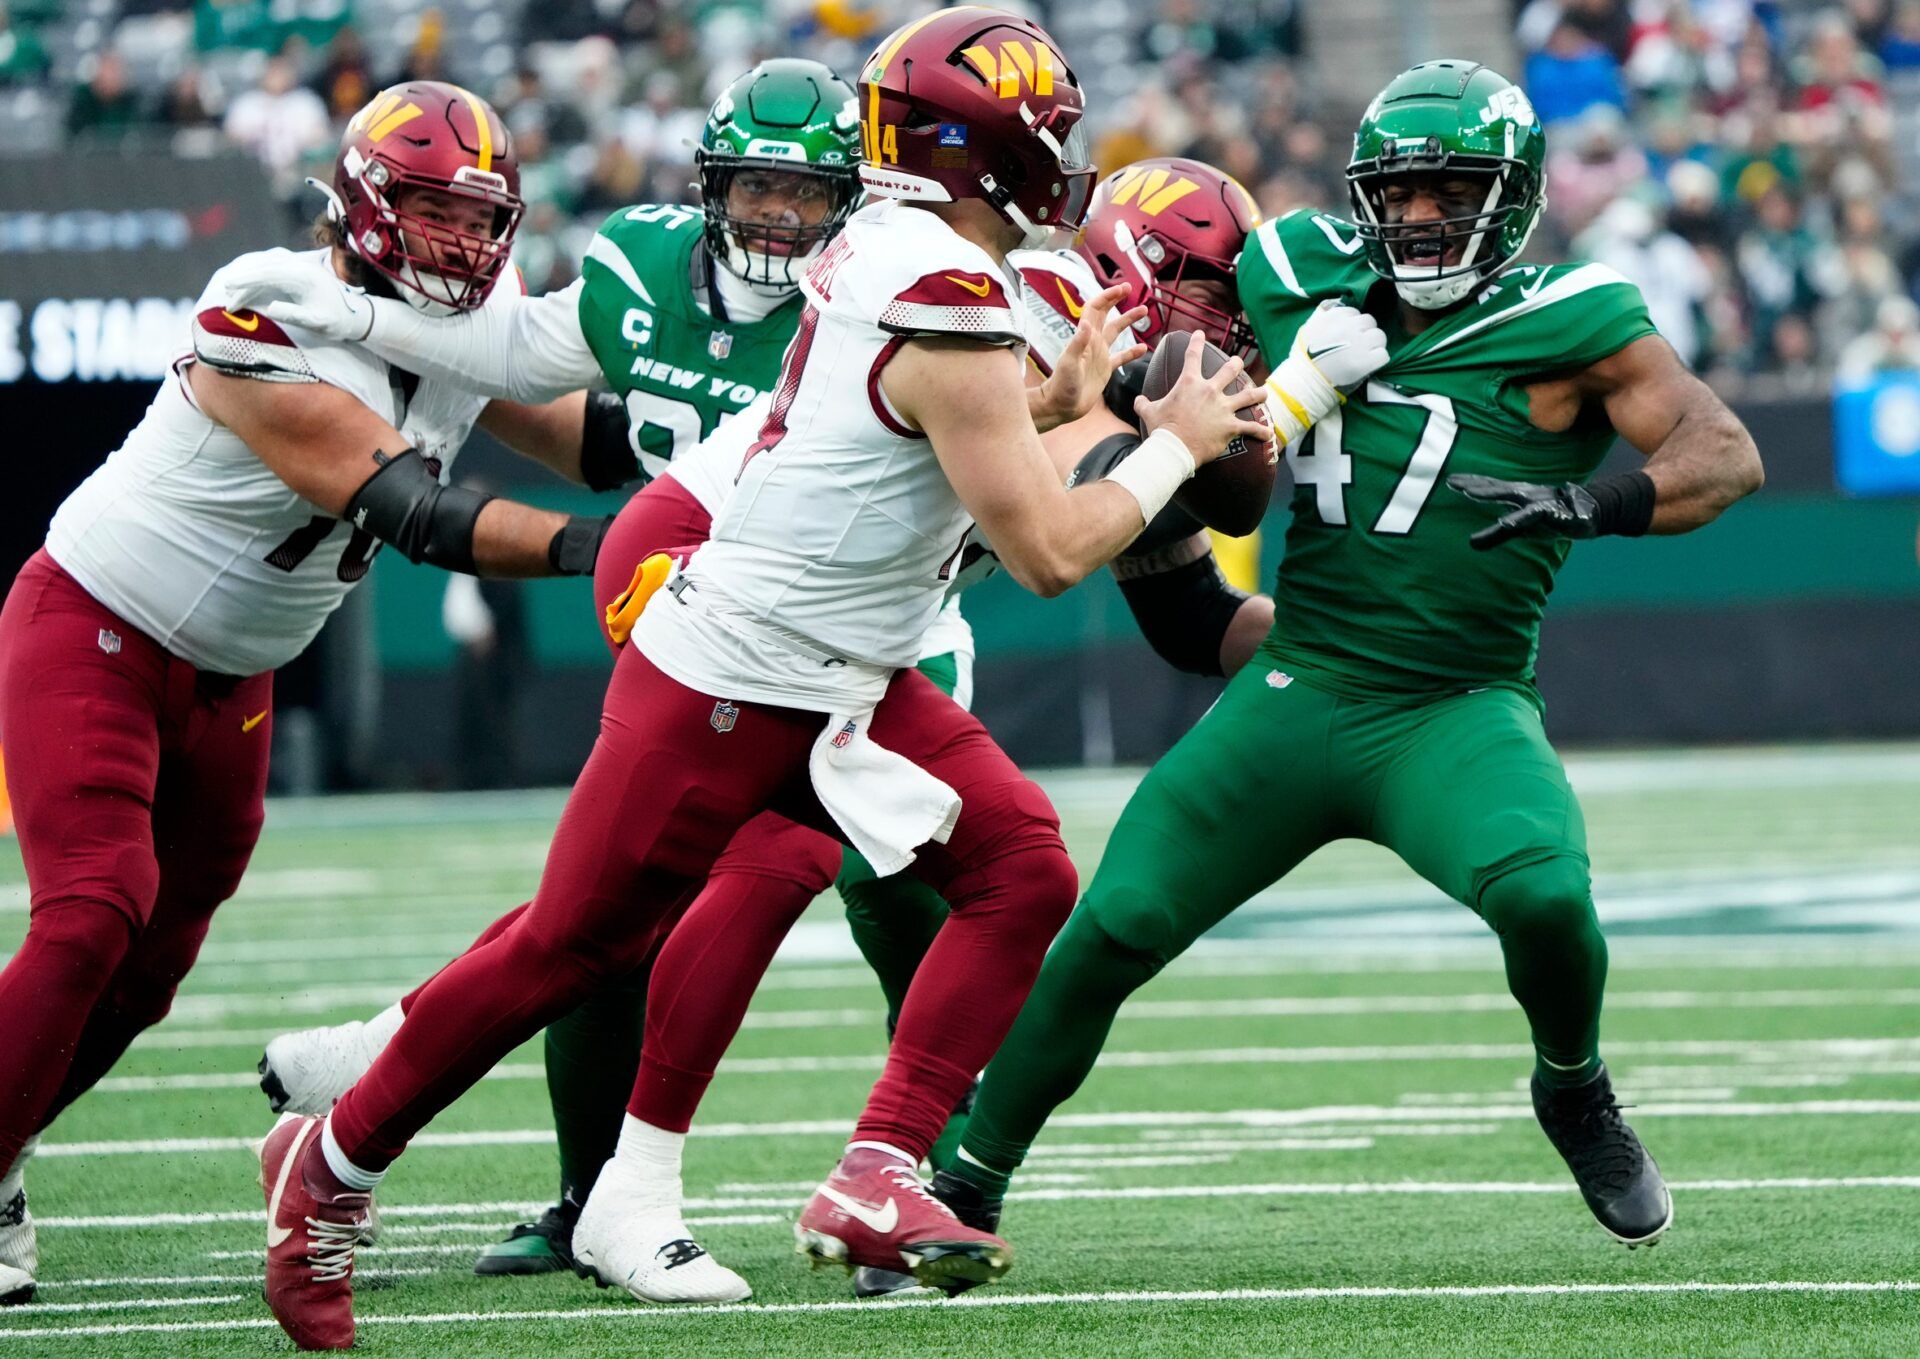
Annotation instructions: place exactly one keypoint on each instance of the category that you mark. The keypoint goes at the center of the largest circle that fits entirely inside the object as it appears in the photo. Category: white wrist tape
(1299, 397)
(1154, 471)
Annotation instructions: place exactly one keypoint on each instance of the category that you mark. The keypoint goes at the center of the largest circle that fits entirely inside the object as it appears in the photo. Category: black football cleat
(1619, 1181)
(968, 1200)
(871, 1282)
(541, 1247)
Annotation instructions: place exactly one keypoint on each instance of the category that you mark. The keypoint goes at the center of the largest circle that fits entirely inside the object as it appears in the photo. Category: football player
(1436, 495)
(137, 648)
(1192, 220)
(774, 673)
(682, 315)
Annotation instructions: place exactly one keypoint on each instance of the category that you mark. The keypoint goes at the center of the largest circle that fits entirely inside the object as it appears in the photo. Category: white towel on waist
(884, 802)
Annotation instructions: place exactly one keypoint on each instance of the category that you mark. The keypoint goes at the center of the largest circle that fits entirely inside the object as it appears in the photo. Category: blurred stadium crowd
(1753, 165)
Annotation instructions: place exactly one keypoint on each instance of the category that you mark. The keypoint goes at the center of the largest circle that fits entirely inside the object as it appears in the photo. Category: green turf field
(1310, 1137)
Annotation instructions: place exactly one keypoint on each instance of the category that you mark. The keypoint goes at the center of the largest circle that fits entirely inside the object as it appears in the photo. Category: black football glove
(1537, 511)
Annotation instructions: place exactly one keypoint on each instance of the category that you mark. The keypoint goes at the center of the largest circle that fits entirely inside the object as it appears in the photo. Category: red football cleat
(875, 1210)
(310, 1239)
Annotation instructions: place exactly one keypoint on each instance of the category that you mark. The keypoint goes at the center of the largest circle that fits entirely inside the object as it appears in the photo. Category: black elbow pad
(607, 459)
(404, 504)
(1184, 611)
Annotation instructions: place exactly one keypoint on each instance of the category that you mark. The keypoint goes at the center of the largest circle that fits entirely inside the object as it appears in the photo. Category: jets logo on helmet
(1457, 121)
(426, 193)
(777, 165)
(975, 103)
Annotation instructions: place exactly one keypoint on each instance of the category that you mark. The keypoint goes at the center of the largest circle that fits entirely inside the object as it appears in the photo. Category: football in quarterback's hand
(1231, 492)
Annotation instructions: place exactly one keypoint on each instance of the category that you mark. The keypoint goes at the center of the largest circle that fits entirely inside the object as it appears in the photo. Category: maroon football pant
(768, 875)
(661, 797)
(138, 787)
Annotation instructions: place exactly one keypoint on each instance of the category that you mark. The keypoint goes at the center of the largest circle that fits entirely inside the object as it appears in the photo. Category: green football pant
(593, 1053)
(1465, 789)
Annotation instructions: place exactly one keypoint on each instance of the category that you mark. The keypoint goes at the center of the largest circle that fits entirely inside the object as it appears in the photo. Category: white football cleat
(304, 1072)
(624, 1241)
(19, 1251)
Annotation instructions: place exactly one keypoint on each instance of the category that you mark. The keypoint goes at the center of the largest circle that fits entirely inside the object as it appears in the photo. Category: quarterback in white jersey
(756, 683)
(137, 649)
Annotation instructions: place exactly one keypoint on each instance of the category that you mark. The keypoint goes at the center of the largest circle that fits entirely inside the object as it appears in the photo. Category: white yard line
(1824, 1051)
(1258, 1118)
(191, 1280)
(120, 1304)
(992, 1299)
(716, 1207)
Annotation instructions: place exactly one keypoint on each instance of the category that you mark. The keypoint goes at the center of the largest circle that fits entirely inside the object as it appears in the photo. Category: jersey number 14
(1328, 467)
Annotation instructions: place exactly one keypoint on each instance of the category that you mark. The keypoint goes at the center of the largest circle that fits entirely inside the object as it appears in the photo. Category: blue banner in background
(1876, 436)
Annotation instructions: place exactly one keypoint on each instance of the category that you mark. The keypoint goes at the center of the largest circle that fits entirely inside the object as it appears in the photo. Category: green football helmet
(784, 117)
(1458, 119)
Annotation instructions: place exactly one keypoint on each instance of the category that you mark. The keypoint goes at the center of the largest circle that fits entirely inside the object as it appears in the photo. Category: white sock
(344, 1170)
(886, 1147)
(653, 1155)
(17, 1172)
(383, 1026)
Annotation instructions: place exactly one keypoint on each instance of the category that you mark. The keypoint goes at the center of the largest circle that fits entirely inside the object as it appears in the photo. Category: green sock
(894, 920)
(1050, 1050)
(1556, 961)
(593, 1055)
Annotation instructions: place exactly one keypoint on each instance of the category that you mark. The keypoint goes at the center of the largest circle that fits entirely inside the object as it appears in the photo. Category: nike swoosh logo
(881, 1220)
(1073, 307)
(249, 723)
(276, 1234)
(1528, 290)
(980, 289)
(247, 323)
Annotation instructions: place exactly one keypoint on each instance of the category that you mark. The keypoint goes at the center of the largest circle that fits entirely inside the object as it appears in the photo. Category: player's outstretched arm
(528, 349)
(336, 453)
(1700, 458)
(970, 401)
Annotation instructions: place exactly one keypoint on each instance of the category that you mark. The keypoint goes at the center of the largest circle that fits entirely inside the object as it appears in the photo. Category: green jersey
(1379, 595)
(681, 369)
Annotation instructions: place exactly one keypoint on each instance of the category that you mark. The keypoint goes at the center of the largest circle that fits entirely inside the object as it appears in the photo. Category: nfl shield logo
(719, 345)
(725, 714)
(110, 641)
(844, 736)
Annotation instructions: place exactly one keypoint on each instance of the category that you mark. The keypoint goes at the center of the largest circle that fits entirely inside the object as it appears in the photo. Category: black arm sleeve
(607, 459)
(1182, 603)
(404, 504)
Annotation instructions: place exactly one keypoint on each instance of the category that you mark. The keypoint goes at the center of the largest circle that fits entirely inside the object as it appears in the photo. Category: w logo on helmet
(1150, 186)
(1016, 63)
(386, 113)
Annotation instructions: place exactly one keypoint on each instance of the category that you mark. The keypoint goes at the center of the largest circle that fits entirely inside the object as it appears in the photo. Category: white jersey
(1054, 286)
(841, 535)
(188, 536)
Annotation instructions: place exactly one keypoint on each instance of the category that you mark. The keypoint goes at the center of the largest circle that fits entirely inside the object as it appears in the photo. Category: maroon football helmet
(1161, 223)
(426, 134)
(977, 103)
